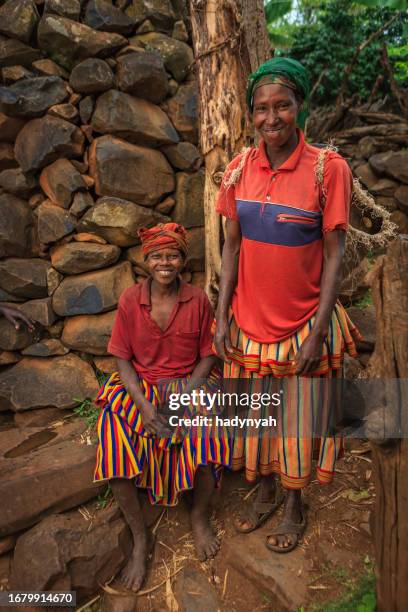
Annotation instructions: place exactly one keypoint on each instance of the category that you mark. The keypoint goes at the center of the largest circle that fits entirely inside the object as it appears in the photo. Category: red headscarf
(163, 236)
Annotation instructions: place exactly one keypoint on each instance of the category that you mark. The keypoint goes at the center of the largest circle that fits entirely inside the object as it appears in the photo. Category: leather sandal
(258, 512)
(287, 528)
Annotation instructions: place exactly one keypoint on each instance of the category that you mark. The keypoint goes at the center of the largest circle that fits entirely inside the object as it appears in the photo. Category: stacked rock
(98, 131)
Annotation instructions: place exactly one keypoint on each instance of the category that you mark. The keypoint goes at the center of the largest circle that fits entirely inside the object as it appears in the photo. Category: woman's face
(165, 265)
(275, 110)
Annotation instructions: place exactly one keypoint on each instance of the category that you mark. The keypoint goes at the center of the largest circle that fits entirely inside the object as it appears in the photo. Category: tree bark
(390, 362)
(230, 40)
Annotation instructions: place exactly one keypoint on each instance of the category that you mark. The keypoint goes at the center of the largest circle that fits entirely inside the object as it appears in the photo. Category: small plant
(104, 498)
(365, 301)
(87, 410)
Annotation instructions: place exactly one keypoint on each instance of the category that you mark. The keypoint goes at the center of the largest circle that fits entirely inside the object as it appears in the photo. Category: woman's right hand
(222, 339)
(153, 422)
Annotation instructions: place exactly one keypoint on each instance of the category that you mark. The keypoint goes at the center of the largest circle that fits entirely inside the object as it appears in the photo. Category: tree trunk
(389, 362)
(230, 40)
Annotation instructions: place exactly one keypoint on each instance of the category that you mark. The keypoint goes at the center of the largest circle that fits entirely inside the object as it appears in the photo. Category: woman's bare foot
(292, 513)
(134, 572)
(206, 542)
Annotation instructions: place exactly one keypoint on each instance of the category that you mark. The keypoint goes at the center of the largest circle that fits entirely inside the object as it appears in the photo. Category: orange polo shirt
(282, 225)
(159, 354)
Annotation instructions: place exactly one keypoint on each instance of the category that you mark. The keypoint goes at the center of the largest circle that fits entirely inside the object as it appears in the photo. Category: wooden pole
(230, 40)
(390, 362)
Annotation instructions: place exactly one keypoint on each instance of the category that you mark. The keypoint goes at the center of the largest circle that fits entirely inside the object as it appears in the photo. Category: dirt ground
(335, 553)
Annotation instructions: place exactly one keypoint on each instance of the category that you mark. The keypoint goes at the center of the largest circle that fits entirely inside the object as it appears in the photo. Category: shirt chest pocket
(185, 346)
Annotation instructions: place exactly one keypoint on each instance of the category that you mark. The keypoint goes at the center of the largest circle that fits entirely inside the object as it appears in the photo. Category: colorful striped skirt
(306, 406)
(163, 466)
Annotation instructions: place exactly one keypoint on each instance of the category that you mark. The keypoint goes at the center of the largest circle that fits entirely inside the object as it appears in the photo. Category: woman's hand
(308, 358)
(222, 339)
(15, 317)
(152, 422)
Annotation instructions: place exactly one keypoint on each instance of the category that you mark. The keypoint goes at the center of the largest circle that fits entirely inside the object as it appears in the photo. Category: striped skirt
(163, 466)
(306, 406)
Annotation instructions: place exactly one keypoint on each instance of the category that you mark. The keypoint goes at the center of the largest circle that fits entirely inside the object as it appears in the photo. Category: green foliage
(359, 593)
(104, 498)
(399, 57)
(365, 301)
(326, 36)
(87, 410)
(277, 25)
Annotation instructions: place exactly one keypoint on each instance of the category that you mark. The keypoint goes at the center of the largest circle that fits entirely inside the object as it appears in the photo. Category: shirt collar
(185, 292)
(293, 159)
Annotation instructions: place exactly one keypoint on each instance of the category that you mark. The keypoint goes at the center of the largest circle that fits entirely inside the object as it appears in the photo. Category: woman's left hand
(15, 317)
(308, 358)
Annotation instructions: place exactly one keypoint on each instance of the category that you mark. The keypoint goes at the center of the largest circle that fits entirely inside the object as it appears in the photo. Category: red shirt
(282, 225)
(161, 354)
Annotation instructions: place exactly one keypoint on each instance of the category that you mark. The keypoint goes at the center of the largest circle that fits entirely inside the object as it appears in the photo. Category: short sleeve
(119, 343)
(226, 204)
(338, 183)
(206, 337)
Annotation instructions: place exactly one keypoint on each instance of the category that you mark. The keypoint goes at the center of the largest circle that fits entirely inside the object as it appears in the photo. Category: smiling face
(275, 109)
(165, 265)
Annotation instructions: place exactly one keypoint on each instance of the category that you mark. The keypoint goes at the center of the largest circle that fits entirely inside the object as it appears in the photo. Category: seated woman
(162, 341)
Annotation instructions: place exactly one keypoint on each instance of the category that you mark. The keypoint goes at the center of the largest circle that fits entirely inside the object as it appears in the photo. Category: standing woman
(278, 314)
(163, 344)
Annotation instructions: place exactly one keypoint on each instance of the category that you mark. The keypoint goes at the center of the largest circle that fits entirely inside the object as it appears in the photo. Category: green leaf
(275, 9)
(279, 40)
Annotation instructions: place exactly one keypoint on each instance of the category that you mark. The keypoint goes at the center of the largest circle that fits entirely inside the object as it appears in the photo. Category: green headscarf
(291, 70)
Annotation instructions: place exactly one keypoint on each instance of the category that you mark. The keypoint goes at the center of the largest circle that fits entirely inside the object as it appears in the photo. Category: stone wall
(98, 131)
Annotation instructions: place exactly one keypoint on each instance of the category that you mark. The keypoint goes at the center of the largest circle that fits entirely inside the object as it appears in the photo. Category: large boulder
(143, 75)
(189, 209)
(183, 111)
(12, 339)
(15, 53)
(120, 169)
(18, 19)
(32, 97)
(42, 141)
(133, 119)
(89, 333)
(16, 221)
(54, 477)
(26, 278)
(118, 221)
(78, 257)
(391, 163)
(102, 15)
(68, 42)
(177, 56)
(160, 13)
(82, 201)
(183, 156)
(16, 182)
(50, 347)
(39, 311)
(53, 223)
(92, 292)
(64, 8)
(37, 383)
(67, 552)
(60, 181)
(93, 75)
